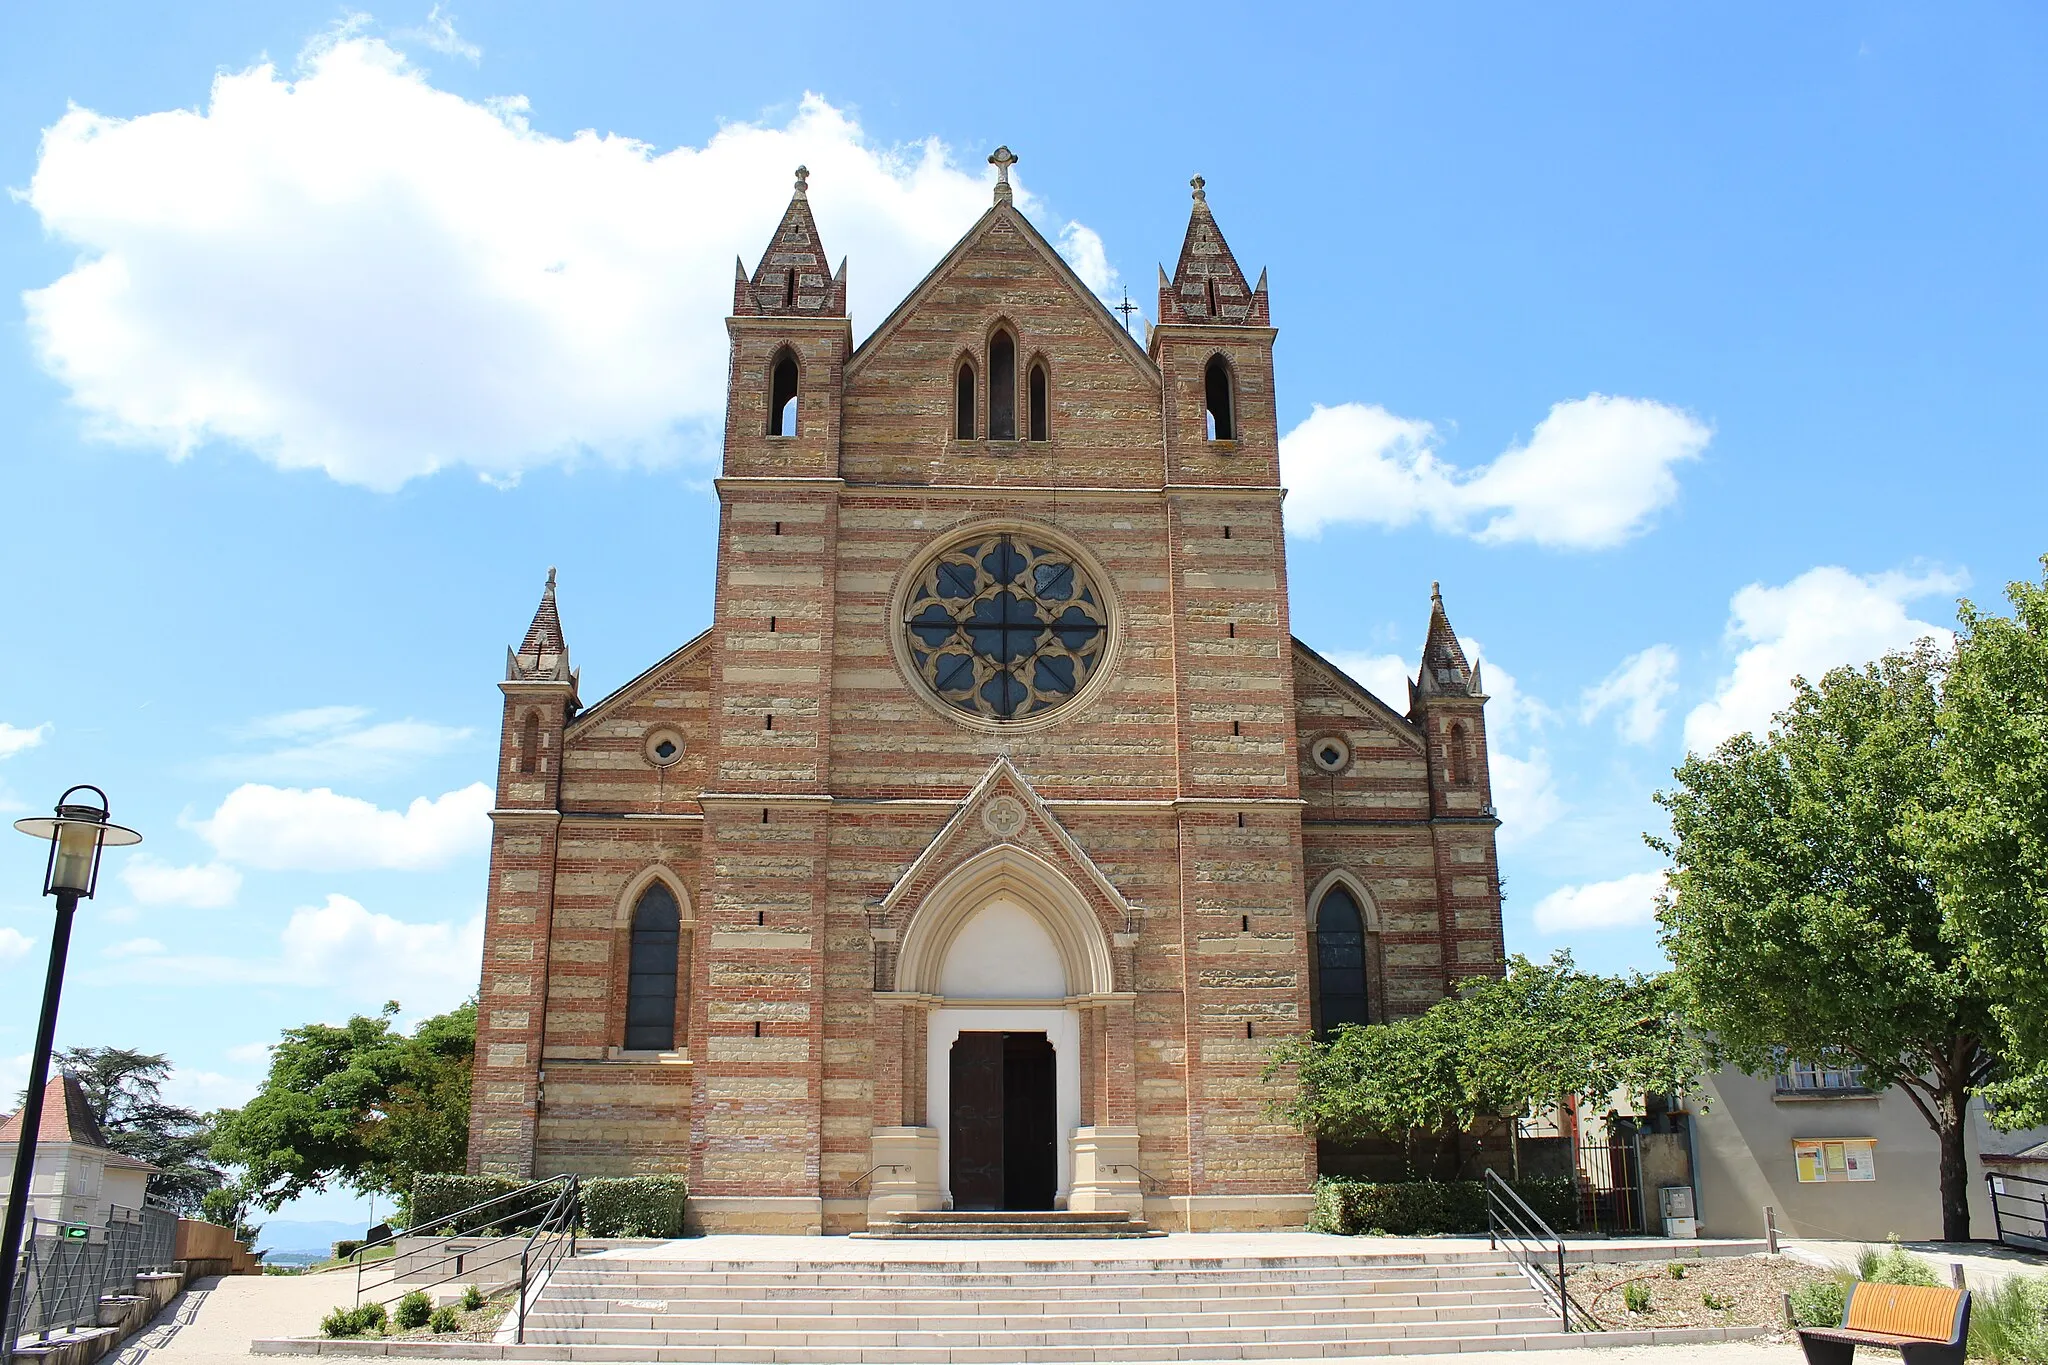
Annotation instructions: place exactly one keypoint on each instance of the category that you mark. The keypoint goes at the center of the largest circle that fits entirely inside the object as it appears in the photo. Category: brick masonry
(825, 813)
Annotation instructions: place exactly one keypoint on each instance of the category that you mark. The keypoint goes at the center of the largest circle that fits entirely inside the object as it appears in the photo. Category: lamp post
(77, 833)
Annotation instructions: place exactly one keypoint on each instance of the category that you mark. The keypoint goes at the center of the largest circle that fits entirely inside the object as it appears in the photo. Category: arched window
(651, 972)
(1217, 398)
(1340, 960)
(1002, 387)
(1041, 403)
(529, 744)
(1461, 754)
(963, 402)
(782, 397)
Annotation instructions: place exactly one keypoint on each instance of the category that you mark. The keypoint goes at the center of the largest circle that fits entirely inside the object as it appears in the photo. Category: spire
(543, 656)
(1444, 669)
(1207, 286)
(793, 279)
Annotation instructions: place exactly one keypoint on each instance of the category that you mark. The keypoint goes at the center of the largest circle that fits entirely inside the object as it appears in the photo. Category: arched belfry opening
(1218, 400)
(782, 395)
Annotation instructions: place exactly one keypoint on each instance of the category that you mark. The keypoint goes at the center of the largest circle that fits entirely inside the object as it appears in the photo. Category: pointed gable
(67, 1117)
(1207, 285)
(792, 278)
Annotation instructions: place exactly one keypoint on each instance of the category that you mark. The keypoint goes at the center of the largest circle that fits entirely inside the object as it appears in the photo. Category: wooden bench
(1926, 1326)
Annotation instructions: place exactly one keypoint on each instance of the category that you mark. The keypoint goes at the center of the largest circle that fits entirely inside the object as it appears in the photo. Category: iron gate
(2019, 1210)
(1610, 1178)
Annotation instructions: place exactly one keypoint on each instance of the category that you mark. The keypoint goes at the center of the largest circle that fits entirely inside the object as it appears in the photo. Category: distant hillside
(291, 1234)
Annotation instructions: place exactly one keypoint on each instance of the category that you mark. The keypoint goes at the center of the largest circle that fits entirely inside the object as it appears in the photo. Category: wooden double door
(1003, 1135)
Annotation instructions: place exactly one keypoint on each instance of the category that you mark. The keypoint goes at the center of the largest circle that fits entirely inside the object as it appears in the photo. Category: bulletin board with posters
(1826, 1160)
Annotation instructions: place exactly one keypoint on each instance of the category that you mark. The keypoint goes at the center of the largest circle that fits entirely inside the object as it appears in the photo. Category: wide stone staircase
(1110, 1305)
(952, 1225)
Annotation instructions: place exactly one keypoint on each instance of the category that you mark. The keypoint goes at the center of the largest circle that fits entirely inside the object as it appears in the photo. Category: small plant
(1895, 1265)
(370, 1320)
(1709, 1299)
(1676, 1270)
(445, 1321)
(364, 1321)
(2009, 1322)
(338, 1323)
(414, 1310)
(1818, 1302)
(472, 1298)
(1635, 1296)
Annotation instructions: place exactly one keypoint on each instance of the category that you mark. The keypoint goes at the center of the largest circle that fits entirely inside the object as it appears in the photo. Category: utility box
(1675, 1203)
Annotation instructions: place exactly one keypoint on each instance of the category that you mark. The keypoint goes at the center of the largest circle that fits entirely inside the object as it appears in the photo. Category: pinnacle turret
(792, 277)
(544, 655)
(1207, 285)
(1445, 671)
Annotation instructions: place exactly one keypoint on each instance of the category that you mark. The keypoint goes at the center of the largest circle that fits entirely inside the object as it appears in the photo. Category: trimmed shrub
(1406, 1208)
(370, 1320)
(1895, 1265)
(1818, 1302)
(366, 1320)
(634, 1205)
(414, 1310)
(472, 1298)
(347, 1247)
(339, 1322)
(444, 1320)
(436, 1199)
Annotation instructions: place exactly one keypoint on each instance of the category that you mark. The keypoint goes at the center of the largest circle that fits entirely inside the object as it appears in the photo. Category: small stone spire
(1444, 669)
(793, 277)
(1002, 158)
(1207, 286)
(544, 655)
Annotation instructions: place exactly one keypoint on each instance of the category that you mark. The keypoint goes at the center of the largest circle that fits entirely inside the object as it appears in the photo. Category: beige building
(78, 1177)
(1835, 1159)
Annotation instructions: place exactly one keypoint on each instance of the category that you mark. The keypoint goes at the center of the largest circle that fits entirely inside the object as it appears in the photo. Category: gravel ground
(1750, 1288)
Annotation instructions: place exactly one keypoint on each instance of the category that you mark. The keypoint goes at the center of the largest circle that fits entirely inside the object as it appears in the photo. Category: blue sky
(1687, 352)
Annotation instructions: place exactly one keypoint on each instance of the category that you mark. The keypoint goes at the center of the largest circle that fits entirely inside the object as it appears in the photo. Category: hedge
(634, 1206)
(437, 1198)
(1403, 1208)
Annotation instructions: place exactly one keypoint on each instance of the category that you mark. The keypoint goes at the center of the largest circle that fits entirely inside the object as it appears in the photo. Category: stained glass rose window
(1005, 627)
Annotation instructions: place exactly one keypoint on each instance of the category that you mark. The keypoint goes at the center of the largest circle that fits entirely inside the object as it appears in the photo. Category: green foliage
(1803, 915)
(1895, 1265)
(472, 1298)
(2009, 1322)
(444, 1321)
(1496, 1049)
(1717, 1302)
(437, 1198)
(124, 1090)
(634, 1206)
(1676, 1270)
(1818, 1302)
(368, 1320)
(1635, 1296)
(414, 1310)
(1989, 841)
(347, 1247)
(362, 1104)
(1423, 1207)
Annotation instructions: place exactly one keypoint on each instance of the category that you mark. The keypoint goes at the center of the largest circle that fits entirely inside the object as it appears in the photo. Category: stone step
(940, 1225)
(895, 1281)
(596, 1325)
(914, 1307)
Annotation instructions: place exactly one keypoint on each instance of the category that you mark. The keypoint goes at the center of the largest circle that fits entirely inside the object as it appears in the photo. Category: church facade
(996, 828)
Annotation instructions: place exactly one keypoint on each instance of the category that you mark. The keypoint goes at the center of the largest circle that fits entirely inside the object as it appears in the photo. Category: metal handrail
(869, 1173)
(1534, 1246)
(1145, 1177)
(2006, 1203)
(566, 1187)
(560, 1220)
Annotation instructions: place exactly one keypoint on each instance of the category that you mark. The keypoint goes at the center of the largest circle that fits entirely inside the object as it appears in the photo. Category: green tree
(1990, 838)
(124, 1090)
(1496, 1049)
(363, 1105)
(1802, 918)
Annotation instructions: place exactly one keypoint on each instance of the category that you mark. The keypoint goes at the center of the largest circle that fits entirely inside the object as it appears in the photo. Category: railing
(1514, 1227)
(61, 1276)
(2019, 1210)
(558, 1202)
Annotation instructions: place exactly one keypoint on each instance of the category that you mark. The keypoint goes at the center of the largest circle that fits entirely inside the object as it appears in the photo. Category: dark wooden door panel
(1030, 1158)
(977, 1121)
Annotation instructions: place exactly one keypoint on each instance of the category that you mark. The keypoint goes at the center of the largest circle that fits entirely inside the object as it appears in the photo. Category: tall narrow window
(1002, 388)
(1461, 754)
(1041, 403)
(1217, 396)
(529, 744)
(782, 397)
(1340, 960)
(963, 403)
(651, 972)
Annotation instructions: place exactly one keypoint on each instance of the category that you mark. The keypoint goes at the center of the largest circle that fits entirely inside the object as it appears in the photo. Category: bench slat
(1914, 1312)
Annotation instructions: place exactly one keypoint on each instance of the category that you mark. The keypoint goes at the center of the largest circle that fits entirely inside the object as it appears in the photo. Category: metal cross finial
(1126, 308)
(803, 173)
(1200, 193)
(1002, 158)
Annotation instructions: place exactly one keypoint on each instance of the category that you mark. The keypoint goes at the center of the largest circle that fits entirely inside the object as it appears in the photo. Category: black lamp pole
(77, 834)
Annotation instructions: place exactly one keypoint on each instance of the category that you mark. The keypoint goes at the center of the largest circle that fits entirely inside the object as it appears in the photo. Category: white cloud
(353, 271)
(206, 1090)
(1622, 903)
(1825, 618)
(1594, 474)
(1386, 676)
(206, 886)
(137, 947)
(1635, 691)
(438, 33)
(14, 944)
(290, 829)
(1082, 247)
(325, 742)
(249, 1052)
(14, 739)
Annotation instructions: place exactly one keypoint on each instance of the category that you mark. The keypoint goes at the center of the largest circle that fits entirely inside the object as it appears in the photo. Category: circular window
(664, 748)
(1331, 754)
(1004, 627)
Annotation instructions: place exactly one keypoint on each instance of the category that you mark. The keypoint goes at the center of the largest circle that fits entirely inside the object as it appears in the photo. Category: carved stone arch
(1367, 906)
(1023, 878)
(629, 898)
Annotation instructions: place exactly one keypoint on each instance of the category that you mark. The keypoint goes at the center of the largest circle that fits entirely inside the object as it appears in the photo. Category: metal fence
(2019, 1210)
(1611, 1186)
(66, 1267)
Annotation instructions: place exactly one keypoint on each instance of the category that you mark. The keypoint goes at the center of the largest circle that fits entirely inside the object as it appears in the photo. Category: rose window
(1005, 628)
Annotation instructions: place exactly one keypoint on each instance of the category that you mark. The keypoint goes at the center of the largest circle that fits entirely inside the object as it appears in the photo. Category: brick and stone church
(997, 826)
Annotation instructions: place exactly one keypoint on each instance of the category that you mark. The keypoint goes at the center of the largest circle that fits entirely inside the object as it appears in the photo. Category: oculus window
(1005, 627)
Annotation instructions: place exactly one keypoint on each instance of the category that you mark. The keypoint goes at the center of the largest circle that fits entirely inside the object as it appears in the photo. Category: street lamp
(77, 833)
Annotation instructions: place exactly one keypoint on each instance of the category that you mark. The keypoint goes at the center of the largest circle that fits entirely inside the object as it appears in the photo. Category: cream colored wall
(1743, 1138)
(73, 1184)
